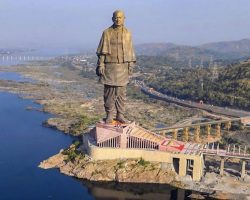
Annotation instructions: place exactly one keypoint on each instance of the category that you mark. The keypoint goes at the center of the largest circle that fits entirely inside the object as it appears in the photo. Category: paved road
(210, 108)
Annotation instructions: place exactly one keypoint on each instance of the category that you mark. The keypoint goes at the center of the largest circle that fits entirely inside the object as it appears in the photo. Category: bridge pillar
(208, 130)
(183, 167)
(243, 169)
(185, 135)
(222, 162)
(175, 132)
(228, 125)
(218, 130)
(197, 134)
(198, 169)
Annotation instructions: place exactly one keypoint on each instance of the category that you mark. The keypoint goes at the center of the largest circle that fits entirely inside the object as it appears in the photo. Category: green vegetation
(136, 93)
(151, 63)
(77, 143)
(143, 162)
(72, 152)
(88, 74)
(230, 88)
(121, 164)
(82, 124)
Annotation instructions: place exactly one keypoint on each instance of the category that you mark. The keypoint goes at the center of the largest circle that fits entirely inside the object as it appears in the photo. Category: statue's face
(118, 19)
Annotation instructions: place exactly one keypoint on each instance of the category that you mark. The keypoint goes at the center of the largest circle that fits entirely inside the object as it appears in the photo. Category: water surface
(14, 76)
(24, 142)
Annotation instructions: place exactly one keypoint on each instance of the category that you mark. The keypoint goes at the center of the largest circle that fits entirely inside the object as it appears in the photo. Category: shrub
(120, 164)
(143, 162)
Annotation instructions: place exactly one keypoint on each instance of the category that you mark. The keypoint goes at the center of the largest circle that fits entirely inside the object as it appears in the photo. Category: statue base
(114, 123)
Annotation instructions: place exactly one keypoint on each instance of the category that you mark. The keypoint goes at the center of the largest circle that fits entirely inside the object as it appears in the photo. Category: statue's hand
(100, 70)
(130, 71)
(130, 68)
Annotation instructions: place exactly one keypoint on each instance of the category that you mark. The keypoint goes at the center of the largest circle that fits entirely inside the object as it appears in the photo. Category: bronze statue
(116, 59)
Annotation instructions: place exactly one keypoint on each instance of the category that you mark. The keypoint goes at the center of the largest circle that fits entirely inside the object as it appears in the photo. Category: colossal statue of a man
(116, 59)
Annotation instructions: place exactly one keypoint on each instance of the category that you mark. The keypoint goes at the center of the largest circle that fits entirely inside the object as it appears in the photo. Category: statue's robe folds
(116, 58)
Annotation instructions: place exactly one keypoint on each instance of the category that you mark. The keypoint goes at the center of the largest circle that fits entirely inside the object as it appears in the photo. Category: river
(24, 143)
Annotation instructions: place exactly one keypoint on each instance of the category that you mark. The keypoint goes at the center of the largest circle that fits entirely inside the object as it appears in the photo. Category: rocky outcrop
(129, 170)
(60, 124)
(73, 162)
(54, 161)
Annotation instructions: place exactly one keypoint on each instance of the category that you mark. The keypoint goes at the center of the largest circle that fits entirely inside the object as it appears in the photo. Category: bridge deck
(199, 124)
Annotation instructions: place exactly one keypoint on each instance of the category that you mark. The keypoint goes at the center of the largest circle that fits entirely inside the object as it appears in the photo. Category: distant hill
(218, 51)
(153, 49)
(240, 46)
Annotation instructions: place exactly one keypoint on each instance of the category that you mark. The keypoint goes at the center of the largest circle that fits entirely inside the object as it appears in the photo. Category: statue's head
(118, 18)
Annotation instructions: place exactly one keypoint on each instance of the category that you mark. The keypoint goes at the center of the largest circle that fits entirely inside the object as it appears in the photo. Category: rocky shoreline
(72, 101)
(78, 104)
(131, 170)
(73, 162)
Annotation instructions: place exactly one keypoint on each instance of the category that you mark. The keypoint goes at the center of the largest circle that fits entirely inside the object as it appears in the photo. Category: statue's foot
(109, 119)
(122, 119)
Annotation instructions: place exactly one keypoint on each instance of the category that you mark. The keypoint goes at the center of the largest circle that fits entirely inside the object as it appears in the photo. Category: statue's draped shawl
(128, 50)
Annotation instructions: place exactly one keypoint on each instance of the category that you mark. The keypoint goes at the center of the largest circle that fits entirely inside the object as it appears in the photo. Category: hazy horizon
(78, 24)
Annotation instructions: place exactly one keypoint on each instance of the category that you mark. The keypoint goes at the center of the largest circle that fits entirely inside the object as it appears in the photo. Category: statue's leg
(120, 103)
(109, 102)
(120, 100)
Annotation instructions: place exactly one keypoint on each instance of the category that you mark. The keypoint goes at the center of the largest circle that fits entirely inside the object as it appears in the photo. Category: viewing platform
(130, 141)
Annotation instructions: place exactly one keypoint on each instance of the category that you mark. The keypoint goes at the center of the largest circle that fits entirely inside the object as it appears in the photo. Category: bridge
(13, 58)
(231, 151)
(218, 125)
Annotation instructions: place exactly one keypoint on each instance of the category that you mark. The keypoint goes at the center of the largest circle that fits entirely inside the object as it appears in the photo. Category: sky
(79, 23)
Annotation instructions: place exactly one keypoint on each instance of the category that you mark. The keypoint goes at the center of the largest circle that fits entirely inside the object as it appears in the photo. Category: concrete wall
(118, 153)
(104, 153)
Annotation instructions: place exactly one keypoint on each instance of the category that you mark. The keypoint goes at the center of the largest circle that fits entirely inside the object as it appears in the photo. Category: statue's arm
(100, 65)
(132, 58)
